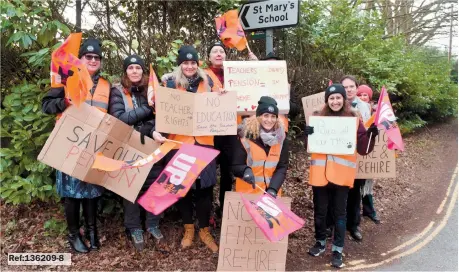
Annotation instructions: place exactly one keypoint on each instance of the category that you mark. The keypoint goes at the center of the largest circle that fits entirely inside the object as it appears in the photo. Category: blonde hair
(253, 124)
(182, 81)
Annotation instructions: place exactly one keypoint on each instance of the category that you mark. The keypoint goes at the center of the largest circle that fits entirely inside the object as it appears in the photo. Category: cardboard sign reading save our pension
(313, 103)
(243, 246)
(83, 132)
(380, 163)
(254, 79)
(333, 135)
(195, 114)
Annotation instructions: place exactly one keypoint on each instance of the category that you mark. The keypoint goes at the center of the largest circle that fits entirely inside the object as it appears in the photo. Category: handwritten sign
(313, 103)
(380, 163)
(83, 132)
(243, 246)
(254, 79)
(333, 135)
(195, 114)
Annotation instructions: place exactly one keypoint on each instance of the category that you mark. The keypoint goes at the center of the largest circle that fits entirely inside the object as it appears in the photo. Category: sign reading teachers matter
(254, 79)
(333, 135)
(195, 114)
(243, 246)
(380, 163)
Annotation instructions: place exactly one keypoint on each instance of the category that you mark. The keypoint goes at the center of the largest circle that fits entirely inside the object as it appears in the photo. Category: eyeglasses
(90, 57)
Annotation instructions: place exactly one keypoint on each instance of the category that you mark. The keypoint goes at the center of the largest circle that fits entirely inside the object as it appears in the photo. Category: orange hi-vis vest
(263, 166)
(214, 77)
(337, 169)
(202, 140)
(283, 118)
(100, 97)
(127, 99)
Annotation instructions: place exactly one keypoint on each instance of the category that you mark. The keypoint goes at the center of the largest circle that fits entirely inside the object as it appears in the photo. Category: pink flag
(385, 117)
(177, 178)
(330, 82)
(273, 218)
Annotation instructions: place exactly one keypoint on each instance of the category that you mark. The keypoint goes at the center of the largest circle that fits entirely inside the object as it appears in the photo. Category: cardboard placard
(380, 163)
(84, 131)
(333, 135)
(195, 114)
(254, 79)
(243, 246)
(313, 103)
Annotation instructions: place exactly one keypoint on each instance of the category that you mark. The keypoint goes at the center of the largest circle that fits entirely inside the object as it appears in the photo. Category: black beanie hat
(90, 45)
(216, 44)
(335, 88)
(133, 59)
(267, 105)
(271, 56)
(187, 52)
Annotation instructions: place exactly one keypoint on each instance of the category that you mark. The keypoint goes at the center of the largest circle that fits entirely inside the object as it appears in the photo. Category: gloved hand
(272, 192)
(308, 130)
(373, 131)
(249, 177)
(145, 130)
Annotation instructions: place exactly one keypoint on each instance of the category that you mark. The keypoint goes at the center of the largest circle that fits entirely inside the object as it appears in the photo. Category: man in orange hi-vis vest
(74, 191)
(260, 159)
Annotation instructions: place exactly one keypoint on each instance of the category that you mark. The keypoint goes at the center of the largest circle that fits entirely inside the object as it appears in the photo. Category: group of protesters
(256, 158)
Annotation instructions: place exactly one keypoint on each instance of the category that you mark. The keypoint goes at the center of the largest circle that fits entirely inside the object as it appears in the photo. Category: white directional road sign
(269, 14)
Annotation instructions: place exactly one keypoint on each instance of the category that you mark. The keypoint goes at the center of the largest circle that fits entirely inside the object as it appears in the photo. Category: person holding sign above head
(355, 196)
(262, 155)
(331, 176)
(129, 104)
(74, 191)
(217, 55)
(188, 77)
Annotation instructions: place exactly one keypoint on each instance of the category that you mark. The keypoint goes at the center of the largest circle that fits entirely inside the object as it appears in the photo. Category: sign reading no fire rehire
(269, 14)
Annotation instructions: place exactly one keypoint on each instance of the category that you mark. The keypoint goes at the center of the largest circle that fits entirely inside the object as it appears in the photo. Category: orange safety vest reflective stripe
(100, 97)
(127, 99)
(202, 140)
(263, 166)
(282, 118)
(214, 78)
(337, 169)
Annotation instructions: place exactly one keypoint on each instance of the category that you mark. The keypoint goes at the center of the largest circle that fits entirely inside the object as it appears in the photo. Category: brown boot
(207, 239)
(188, 236)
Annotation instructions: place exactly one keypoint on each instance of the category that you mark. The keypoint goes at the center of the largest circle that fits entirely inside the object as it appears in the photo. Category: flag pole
(248, 47)
(177, 142)
(369, 141)
(263, 190)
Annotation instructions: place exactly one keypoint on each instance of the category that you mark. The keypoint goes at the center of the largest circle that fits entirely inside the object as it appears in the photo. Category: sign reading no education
(269, 14)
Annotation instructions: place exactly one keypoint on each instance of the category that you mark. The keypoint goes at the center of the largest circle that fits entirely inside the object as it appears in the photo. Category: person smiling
(261, 156)
(188, 77)
(74, 191)
(331, 176)
(128, 103)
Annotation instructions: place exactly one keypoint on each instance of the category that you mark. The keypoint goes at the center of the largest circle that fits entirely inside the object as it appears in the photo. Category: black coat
(54, 101)
(239, 161)
(141, 118)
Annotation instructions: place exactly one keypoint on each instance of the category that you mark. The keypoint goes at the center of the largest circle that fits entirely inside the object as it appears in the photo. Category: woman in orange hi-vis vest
(128, 103)
(74, 191)
(261, 156)
(188, 77)
(331, 176)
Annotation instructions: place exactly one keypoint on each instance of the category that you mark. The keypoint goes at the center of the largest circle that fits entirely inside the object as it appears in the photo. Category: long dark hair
(346, 110)
(142, 85)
